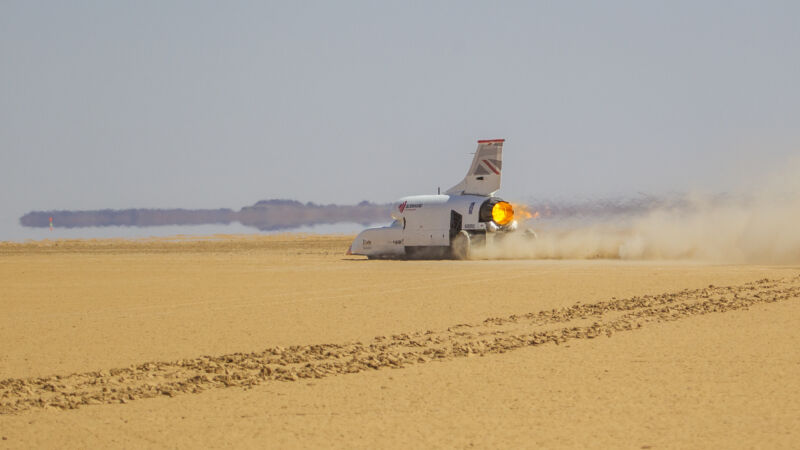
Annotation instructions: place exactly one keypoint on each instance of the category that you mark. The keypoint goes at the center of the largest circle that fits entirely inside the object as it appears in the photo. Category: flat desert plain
(283, 341)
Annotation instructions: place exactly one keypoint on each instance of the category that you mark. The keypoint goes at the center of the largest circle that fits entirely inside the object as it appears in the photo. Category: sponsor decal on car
(405, 205)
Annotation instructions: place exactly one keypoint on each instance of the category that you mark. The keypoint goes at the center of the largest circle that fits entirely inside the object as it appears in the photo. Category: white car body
(445, 225)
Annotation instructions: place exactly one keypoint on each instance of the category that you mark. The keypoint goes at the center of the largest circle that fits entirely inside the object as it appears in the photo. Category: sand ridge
(493, 335)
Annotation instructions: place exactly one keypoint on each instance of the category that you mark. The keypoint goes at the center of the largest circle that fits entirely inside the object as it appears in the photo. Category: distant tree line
(281, 214)
(265, 215)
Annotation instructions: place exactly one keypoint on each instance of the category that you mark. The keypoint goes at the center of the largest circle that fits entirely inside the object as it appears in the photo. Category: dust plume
(757, 227)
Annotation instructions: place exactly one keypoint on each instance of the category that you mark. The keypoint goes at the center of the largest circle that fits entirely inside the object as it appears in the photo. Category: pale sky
(220, 104)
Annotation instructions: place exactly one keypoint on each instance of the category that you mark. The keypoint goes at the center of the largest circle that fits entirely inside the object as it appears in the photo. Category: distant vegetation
(266, 215)
(270, 215)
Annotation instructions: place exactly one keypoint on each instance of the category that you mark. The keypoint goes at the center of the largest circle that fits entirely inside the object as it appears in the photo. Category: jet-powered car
(449, 225)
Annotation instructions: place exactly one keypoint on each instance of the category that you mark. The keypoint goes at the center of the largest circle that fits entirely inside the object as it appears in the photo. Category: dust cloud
(761, 226)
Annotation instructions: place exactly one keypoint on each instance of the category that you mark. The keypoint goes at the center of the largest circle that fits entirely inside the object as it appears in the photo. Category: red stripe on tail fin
(489, 165)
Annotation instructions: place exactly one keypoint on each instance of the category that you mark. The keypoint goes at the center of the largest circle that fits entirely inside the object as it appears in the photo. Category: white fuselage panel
(426, 218)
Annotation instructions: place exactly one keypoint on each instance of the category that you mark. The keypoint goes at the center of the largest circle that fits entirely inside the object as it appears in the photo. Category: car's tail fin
(483, 177)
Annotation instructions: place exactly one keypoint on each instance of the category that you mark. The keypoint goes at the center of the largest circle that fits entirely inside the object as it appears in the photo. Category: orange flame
(524, 212)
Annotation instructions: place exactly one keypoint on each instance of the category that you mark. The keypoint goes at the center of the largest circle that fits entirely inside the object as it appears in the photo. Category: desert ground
(283, 341)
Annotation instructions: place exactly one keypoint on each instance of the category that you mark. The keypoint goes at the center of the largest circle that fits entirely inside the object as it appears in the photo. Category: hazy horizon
(207, 105)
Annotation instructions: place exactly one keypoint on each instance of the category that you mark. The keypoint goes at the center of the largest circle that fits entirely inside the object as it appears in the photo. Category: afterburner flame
(523, 212)
(502, 213)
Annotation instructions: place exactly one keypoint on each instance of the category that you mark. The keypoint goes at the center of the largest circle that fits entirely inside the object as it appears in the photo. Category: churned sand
(260, 341)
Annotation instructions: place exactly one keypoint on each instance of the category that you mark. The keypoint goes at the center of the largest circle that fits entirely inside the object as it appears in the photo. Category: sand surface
(254, 341)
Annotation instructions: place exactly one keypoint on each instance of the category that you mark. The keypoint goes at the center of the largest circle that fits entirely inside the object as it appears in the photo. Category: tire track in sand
(493, 335)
